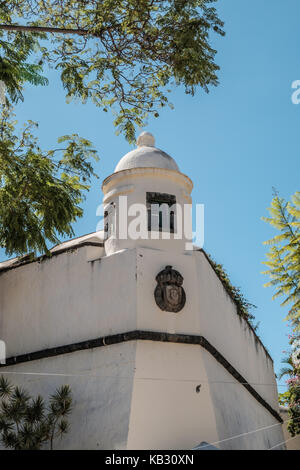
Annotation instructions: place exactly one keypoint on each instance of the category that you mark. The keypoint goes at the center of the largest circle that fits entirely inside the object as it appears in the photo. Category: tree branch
(44, 29)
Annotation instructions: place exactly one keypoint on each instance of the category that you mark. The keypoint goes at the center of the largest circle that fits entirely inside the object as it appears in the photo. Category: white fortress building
(141, 328)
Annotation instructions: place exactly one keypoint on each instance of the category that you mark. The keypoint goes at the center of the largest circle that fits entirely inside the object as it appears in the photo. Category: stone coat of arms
(169, 293)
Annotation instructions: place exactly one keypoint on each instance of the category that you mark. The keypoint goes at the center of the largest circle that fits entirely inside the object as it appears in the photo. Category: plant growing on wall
(242, 304)
(27, 423)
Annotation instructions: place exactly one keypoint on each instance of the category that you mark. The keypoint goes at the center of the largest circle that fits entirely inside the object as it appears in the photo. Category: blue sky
(235, 143)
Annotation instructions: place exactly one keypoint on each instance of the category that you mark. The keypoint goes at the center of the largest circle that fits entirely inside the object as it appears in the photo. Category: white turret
(146, 185)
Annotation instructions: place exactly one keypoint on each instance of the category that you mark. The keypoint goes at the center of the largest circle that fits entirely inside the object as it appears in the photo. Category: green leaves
(40, 191)
(35, 411)
(243, 306)
(284, 254)
(61, 402)
(27, 423)
(124, 53)
(5, 387)
(291, 398)
(16, 50)
(284, 270)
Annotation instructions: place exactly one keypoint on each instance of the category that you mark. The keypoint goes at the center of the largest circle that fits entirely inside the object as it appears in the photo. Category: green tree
(123, 54)
(27, 423)
(288, 369)
(16, 66)
(291, 398)
(284, 254)
(120, 54)
(284, 271)
(40, 191)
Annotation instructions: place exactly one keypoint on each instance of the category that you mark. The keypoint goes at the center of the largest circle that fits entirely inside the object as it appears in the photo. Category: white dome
(146, 156)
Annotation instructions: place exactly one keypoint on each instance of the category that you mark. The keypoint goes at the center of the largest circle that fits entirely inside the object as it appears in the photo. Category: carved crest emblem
(169, 293)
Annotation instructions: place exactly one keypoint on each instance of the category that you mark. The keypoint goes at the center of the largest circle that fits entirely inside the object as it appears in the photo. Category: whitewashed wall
(68, 299)
(210, 312)
(101, 381)
(231, 335)
(168, 413)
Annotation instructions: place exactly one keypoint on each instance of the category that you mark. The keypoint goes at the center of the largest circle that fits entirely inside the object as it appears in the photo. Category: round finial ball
(146, 139)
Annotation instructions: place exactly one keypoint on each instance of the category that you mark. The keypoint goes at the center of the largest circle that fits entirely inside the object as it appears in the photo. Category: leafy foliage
(288, 370)
(284, 271)
(124, 54)
(15, 54)
(40, 191)
(291, 398)
(27, 423)
(243, 306)
(284, 254)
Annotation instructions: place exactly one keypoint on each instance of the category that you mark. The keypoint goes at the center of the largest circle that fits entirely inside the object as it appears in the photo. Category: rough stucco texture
(101, 381)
